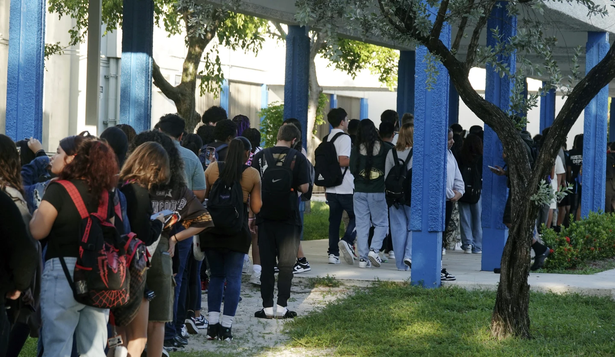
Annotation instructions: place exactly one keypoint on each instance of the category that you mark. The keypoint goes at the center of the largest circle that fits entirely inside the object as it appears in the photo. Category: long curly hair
(95, 163)
(10, 164)
(175, 161)
(366, 138)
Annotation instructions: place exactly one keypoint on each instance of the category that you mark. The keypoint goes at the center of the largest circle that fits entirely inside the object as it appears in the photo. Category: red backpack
(101, 275)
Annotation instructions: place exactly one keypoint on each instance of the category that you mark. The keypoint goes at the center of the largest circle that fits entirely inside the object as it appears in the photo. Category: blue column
(136, 80)
(405, 82)
(594, 131)
(612, 121)
(453, 106)
(364, 111)
(264, 105)
(24, 92)
(498, 91)
(429, 170)
(297, 76)
(547, 108)
(225, 96)
(332, 101)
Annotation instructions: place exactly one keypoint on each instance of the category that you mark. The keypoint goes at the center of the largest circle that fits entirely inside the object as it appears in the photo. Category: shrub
(590, 239)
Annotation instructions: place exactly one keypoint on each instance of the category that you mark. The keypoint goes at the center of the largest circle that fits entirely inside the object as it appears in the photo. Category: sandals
(288, 315)
(262, 315)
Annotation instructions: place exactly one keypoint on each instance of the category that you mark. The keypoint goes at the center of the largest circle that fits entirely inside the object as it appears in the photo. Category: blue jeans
(337, 205)
(225, 265)
(372, 205)
(184, 251)
(471, 229)
(63, 317)
(401, 235)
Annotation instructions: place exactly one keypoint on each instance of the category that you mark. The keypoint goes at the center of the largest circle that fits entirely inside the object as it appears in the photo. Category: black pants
(5, 328)
(281, 240)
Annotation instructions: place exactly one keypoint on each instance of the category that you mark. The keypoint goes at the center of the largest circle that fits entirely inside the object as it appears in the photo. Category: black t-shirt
(139, 211)
(575, 160)
(300, 172)
(66, 230)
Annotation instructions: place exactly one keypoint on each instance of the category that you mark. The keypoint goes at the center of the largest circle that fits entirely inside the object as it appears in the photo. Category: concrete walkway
(466, 267)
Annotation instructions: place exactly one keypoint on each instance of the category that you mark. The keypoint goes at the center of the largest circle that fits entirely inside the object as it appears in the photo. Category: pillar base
(425, 269)
(493, 247)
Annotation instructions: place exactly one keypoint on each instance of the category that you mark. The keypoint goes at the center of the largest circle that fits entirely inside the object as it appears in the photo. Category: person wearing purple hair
(243, 123)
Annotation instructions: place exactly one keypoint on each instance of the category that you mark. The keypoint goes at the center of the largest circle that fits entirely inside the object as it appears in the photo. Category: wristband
(173, 236)
(251, 218)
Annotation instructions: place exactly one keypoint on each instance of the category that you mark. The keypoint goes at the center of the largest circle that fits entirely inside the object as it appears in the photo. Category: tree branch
(281, 32)
(482, 21)
(165, 87)
(461, 30)
(439, 23)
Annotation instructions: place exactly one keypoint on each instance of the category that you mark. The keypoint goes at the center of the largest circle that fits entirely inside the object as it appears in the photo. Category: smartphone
(493, 168)
(165, 213)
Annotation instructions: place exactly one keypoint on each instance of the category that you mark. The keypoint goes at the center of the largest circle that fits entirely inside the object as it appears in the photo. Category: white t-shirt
(343, 145)
(559, 170)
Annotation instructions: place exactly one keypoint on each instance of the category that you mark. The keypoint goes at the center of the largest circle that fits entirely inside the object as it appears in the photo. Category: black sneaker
(446, 276)
(539, 260)
(173, 343)
(347, 252)
(224, 334)
(213, 331)
(182, 340)
(301, 267)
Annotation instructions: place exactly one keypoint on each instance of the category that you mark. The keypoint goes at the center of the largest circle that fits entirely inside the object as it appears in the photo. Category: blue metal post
(453, 106)
(225, 96)
(547, 109)
(136, 79)
(498, 91)
(296, 82)
(24, 93)
(429, 170)
(594, 131)
(332, 101)
(612, 121)
(405, 82)
(264, 105)
(364, 111)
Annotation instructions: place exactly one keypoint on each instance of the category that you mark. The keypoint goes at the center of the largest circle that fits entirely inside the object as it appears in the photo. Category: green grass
(316, 223)
(401, 320)
(326, 282)
(585, 268)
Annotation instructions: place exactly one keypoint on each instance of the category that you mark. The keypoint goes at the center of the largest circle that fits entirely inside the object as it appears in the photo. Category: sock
(257, 268)
(302, 260)
(214, 317)
(268, 311)
(281, 310)
(539, 249)
(227, 321)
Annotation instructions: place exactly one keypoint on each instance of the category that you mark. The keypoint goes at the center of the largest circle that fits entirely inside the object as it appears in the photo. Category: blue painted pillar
(24, 92)
(264, 105)
(498, 91)
(364, 111)
(594, 131)
(225, 96)
(296, 83)
(136, 80)
(547, 108)
(453, 106)
(612, 121)
(332, 101)
(429, 170)
(405, 82)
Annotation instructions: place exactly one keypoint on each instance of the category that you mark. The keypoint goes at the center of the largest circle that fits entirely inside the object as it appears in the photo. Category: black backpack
(226, 207)
(101, 277)
(327, 168)
(610, 166)
(473, 182)
(398, 184)
(279, 197)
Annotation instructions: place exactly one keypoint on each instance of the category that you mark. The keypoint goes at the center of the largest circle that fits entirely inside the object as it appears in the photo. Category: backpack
(473, 182)
(398, 184)
(610, 166)
(209, 153)
(226, 207)
(101, 276)
(327, 168)
(279, 197)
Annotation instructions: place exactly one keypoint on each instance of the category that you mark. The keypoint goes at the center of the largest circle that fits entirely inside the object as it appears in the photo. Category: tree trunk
(314, 93)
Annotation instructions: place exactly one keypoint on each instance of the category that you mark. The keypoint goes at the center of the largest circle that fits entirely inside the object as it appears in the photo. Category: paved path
(466, 267)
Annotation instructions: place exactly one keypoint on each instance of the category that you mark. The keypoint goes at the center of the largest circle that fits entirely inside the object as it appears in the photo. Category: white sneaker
(468, 250)
(408, 262)
(391, 255)
(364, 263)
(334, 259)
(255, 278)
(347, 252)
(443, 251)
(374, 258)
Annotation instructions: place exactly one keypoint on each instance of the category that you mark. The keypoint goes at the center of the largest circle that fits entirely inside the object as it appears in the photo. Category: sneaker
(408, 262)
(374, 258)
(478, 252)
(182, 340)
(468, 250)
(276, 270)
(348, 253)
(334, 259)
(184, 332)
(443, 251)
(383, 257)
(165, 353)
(173, 343)
(391, 255)
(224, 334)
(201, 322)
(303, 267)
(539, 260)
(213, 331)
(445, 276)
(204, 286)
(255, 279)
(364, 263)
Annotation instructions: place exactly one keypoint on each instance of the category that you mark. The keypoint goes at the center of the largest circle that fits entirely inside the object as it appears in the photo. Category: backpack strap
(408, 158)
(76, 197)
(290, 156)
(336, 136)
